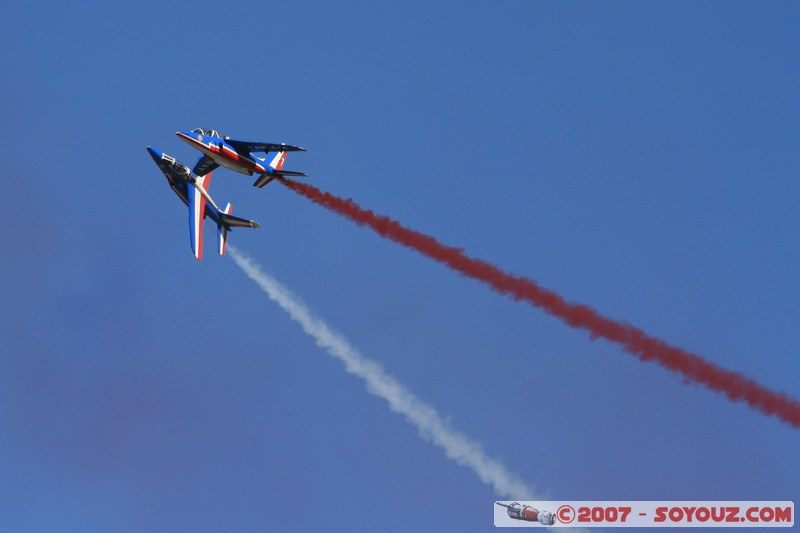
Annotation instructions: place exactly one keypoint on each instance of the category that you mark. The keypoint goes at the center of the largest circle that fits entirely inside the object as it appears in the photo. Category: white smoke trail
(457, 446)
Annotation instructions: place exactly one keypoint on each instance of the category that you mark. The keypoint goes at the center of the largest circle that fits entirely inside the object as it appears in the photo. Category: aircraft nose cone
(186, 134)
(155, 154)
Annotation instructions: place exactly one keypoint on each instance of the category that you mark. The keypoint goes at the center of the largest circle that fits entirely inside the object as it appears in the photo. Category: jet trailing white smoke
(457, 446)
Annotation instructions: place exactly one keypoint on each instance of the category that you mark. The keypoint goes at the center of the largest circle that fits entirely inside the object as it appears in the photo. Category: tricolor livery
(193, 191)
(528, 513)
(238, 155)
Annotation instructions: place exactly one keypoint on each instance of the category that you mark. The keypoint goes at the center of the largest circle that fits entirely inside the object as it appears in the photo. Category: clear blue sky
(640, 158)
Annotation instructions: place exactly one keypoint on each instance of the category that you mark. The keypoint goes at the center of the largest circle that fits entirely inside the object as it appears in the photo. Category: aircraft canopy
(210, 133)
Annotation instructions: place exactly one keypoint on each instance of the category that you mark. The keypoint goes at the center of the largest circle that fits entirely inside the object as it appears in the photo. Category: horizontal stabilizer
(237, 222)
(263, 179)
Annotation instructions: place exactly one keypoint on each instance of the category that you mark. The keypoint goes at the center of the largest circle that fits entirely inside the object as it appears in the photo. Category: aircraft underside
(231, 166)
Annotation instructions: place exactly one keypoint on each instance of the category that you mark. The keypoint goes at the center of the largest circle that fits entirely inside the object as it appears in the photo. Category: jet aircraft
(192, 190)
(238, 155)
(528, 513)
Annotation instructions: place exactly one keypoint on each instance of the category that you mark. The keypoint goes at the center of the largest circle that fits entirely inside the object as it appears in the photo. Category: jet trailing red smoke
(633, 340)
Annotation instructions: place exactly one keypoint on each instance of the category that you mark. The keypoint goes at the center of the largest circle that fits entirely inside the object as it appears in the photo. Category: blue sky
(638, 158)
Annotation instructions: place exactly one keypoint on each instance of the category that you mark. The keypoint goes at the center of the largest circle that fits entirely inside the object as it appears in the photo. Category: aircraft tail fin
(222, 230)
(274, 161)
(226, 221)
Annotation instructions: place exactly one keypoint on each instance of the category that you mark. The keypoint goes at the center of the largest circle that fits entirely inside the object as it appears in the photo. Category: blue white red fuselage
(219, 151)
(192, 190)
(223, 154)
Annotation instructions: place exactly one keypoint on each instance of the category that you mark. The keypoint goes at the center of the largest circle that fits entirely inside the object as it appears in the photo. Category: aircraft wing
(244, 146)
(204, 165)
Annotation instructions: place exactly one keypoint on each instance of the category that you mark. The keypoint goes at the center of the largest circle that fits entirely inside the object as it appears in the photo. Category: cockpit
(210, 133)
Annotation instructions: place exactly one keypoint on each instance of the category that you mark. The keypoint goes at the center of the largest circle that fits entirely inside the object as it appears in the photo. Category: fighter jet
(529, 514)
(192, 190)
(238, 155)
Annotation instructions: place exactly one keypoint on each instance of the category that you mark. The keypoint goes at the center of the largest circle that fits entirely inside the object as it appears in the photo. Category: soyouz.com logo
(644, 514)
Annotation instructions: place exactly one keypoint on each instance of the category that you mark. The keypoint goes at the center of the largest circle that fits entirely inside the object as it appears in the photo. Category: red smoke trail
(633, 340)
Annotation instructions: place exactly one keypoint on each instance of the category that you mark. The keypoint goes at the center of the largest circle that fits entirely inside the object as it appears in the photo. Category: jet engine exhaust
(692, 368)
